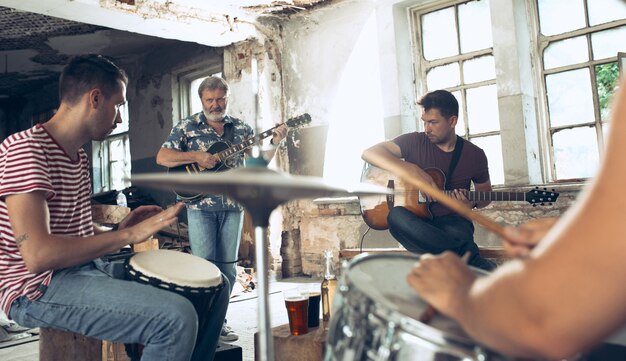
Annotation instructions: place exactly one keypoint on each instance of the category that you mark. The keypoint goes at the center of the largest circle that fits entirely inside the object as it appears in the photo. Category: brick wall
(316, 225)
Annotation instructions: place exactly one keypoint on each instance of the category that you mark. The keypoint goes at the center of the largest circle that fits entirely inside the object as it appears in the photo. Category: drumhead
(382, 278)
(176, 267)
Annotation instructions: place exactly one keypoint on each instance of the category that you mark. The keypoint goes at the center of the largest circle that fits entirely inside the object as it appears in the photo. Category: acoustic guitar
(224, 150)
(375, 209)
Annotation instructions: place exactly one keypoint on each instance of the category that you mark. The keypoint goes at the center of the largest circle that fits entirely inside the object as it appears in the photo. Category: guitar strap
(229, 132)
(458, 147)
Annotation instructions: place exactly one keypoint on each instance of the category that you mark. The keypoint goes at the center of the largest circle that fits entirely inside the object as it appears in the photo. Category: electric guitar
(375, 209)
(224, 150)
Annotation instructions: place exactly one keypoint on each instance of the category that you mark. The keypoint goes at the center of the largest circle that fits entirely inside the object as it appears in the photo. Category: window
(578, 45)
(111, 158)
(456, 54)
(189, 80)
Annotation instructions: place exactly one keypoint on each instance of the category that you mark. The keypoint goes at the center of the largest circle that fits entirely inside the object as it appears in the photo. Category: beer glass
(315, 296)
(297, 303)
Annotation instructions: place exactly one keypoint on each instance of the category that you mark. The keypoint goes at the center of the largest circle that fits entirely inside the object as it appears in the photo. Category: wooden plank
(56, 345)
(492, 252)
(307, 347)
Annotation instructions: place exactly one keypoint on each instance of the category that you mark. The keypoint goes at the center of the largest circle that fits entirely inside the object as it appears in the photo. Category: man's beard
(214, 116)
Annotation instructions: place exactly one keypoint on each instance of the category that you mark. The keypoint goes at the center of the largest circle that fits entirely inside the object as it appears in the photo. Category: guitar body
(193, 168)
(375, 209)
(213, 149)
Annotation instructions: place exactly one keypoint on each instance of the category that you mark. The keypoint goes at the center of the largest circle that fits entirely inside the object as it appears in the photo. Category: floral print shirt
(194, 134)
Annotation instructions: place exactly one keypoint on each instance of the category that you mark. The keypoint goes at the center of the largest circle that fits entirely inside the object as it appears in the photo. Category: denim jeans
(446, 233)
(93, 300)
(215, 236)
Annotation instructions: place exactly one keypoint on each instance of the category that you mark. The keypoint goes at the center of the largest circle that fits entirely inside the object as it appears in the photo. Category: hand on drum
(521, 240)
(139, 214)
(144, 221)
(442, 281)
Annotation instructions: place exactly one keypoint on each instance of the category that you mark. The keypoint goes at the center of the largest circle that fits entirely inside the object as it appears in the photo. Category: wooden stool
(309, 347)
(56, 345)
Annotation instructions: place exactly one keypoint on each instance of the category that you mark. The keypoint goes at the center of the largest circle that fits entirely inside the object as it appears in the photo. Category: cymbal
(255, 183)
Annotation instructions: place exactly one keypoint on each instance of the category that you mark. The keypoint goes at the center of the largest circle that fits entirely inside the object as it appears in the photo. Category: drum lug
(480, 354)
(389, 343)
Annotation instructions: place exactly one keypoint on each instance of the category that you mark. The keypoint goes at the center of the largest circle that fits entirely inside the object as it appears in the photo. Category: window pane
(559, 16)
(603, 11)
(492, 146)
(570, 100)
(606, 79)
(444, 76)
(460, 123)
(566, 52)
(439, 39)
(479, 69)
(607, 43)
(575, 153)
(119, 156)
(195, 105)
(482, 109)
(475, 26)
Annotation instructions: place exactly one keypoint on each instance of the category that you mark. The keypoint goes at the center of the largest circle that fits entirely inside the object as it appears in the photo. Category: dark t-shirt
(472, 165)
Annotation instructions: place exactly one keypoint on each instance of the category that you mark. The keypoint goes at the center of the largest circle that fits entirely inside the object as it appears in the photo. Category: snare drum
(193, 277)
(376, 317)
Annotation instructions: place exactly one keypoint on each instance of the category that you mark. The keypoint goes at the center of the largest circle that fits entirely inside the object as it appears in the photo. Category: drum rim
(134, 263)
(407, 322)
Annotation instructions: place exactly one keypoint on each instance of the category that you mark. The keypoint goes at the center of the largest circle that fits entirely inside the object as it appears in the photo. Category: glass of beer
(297, 303)
(315, 296)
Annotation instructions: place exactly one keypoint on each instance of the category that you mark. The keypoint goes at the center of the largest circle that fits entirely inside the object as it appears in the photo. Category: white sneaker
(228, 335)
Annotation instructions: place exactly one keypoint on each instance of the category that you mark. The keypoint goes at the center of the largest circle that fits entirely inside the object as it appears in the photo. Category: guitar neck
(243, 145)
(493, 196)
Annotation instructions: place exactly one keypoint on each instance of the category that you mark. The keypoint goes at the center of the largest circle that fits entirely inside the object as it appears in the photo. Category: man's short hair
(442, 100)
(86, 72)
(212, 83)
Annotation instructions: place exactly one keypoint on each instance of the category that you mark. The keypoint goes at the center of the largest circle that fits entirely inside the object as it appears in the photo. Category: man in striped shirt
(50, 271)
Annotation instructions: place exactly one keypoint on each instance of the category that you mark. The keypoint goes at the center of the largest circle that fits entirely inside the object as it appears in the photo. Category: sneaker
(483, 263)
(228, 335)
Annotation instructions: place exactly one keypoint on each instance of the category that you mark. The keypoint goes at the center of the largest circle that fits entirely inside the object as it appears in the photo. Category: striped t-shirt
(32, 160)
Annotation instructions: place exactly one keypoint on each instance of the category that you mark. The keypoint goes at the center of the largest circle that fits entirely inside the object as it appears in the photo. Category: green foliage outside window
(606, 79)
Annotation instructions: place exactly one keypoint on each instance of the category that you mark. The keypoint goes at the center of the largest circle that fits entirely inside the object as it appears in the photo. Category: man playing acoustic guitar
(215, 221)
(428, 155)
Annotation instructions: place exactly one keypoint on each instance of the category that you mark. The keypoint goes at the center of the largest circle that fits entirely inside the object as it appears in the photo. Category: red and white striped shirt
(32, 160)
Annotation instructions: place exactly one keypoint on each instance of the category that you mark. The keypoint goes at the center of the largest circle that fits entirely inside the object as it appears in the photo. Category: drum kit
(376, 317)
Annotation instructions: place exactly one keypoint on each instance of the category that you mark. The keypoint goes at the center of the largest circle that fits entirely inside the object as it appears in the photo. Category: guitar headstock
(541, 197)
(299, 120)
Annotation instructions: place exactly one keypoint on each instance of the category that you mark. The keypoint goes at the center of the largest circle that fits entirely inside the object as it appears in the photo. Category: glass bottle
(329, 285)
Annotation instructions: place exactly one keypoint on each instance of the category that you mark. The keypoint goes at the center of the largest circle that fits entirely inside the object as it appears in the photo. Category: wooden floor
(241, 316)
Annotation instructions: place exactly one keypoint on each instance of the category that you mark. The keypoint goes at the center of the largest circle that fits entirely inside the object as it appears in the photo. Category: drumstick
(440, 196)
(430, 311)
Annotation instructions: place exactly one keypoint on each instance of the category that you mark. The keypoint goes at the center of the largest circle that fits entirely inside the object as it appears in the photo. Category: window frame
(185, 77)
(547, 130)
(422, 66)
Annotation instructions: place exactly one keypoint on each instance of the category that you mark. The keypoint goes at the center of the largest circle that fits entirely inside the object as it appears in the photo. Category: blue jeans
(95, 301)
(215, 237)
(445, 233)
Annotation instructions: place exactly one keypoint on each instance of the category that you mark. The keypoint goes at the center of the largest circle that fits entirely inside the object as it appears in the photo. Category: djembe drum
(193, 277)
